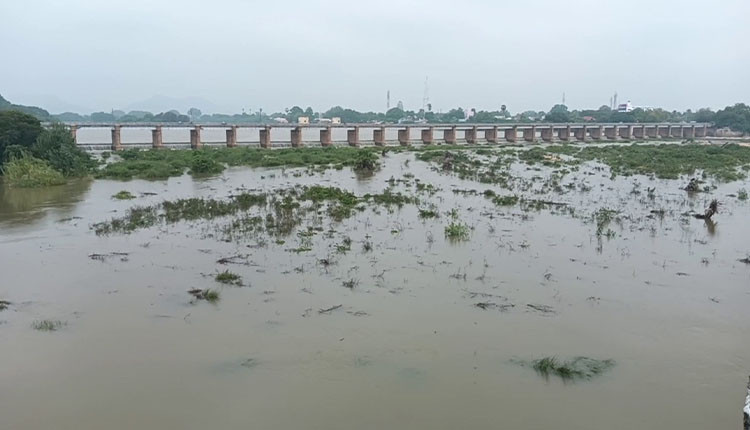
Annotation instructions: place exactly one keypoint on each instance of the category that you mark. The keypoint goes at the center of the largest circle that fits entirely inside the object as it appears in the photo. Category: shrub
(57, 146)
(203, 164)
(30, 172)
(17, 128)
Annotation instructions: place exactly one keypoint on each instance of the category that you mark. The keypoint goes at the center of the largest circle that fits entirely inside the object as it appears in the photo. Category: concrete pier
(580, 133)
(232, 136)
(265, 137)
(596, 133)
(470, 134)
(564, 133)
(352, 136)
(449, 135)
(652, 132)
(378, 135)
(490, 135)
(116, 141)
(325, 137)
(548, 134)
(403, 136)
(156, 138)
(688, 132)
(195, 138)
(511, 134)
(626, 132)
(428, 135)
(639, 132)
(701, 131)
(529, 134)
(295, 137)
(676, 131)
(611, 133)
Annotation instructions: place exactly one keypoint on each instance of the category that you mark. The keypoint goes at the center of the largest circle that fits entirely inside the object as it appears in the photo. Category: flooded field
(423, 295)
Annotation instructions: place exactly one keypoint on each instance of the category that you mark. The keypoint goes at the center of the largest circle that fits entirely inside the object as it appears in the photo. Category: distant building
(589, 118)
(304, 120)
(335, 120)
(281, 120)
(625, 107)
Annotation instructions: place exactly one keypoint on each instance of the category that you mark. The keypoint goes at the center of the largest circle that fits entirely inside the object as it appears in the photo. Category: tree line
(736, 117)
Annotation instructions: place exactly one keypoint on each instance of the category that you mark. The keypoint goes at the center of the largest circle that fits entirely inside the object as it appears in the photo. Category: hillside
(32, 110)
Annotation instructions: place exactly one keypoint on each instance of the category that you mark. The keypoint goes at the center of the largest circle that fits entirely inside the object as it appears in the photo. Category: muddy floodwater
(378, 320)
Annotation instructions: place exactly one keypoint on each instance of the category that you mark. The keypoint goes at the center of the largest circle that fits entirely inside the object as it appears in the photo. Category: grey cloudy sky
(104, 54)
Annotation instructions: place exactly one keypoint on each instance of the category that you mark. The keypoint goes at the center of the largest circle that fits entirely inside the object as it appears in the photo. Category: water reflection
(28, 205)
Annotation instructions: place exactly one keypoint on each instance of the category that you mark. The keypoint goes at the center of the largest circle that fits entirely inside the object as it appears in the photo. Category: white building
(625, 107)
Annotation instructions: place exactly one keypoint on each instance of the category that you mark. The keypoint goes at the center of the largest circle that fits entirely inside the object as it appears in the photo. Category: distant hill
(31, 110)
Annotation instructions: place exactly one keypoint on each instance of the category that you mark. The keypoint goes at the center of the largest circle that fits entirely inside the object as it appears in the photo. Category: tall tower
(614, 105)
(425, 96)
(563, 99)
(388, 101)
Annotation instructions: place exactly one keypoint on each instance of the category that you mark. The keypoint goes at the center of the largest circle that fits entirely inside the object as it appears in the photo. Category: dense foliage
(33, 156)
(17, 129)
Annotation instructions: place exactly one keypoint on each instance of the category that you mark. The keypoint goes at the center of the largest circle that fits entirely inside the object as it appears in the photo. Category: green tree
(102, 117)
(17, 128)
(736, 117)
(558, 113)
(57, 146)
(394, 114)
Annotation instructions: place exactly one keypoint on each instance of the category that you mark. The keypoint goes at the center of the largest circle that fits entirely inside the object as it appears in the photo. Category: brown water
(666, 298)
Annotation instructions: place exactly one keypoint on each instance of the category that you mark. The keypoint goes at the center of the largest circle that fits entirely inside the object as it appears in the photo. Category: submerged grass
(229, 278)
(575, 369)
(47, 325)
(457, 231)
(123, 195)
(135, 218)
(670, 161)
(162, 164)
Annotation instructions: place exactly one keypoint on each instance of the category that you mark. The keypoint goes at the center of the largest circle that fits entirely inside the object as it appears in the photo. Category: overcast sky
(234, 54)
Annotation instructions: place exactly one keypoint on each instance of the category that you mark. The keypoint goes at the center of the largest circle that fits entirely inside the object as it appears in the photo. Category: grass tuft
(229, 278)
(578, 368)
(47, 325)
(123, 195)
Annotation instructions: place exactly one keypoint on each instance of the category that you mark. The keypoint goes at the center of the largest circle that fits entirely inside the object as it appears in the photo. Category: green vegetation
(57, 146)
(17, 129)
(742, 194)
(47, 325)
(603, 217)
(669, 161)
(209, 295)
(32, 156)
(161, 164)
(135, 218)
(505, 200)
(123, 195)
(30, 172)
(578, 368)
(202, 164)
(665, 161)
(428, 213)
(365, 161)
(229, 278)
(457, 231)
